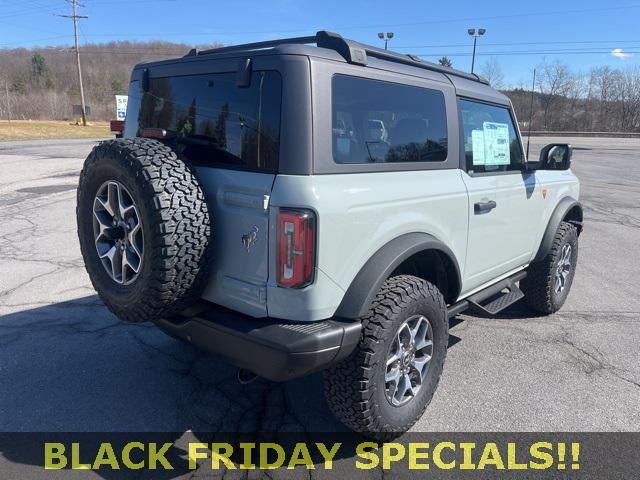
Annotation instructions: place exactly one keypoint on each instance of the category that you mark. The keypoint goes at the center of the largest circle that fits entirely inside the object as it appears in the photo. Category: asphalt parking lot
(67, 364)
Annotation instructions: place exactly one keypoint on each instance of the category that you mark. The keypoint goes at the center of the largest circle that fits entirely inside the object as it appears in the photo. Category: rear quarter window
(382, 122)
(212, 121)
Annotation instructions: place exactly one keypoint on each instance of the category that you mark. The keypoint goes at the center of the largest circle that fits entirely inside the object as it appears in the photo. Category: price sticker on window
(477, 146)
(496, 143)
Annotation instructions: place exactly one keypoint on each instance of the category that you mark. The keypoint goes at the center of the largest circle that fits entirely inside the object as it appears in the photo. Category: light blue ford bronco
(313, 204)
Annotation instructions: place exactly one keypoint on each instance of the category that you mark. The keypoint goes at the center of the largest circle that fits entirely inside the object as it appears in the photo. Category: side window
(490, 140)
(382, 122)
(212, 121)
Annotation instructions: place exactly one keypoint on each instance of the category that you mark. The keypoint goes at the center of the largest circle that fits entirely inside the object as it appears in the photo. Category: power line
(141, 48)
(31, 10)
(544, 52)
(507, 44)
(129, 2)
(539, 51)
(409, 24)
(37, 40)
(65, 50)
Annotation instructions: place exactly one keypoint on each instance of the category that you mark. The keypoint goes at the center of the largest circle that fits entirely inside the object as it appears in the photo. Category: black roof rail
(415, 61)
(352, 52)
(259, 45)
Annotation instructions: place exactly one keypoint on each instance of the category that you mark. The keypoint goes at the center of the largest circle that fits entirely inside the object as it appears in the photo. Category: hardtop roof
(332, 46)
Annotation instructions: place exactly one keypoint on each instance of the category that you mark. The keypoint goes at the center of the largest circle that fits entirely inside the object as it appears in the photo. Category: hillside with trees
(42, 84)
(601, 100)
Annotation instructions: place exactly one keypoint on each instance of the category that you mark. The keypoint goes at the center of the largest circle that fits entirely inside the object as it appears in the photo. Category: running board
(493, 299)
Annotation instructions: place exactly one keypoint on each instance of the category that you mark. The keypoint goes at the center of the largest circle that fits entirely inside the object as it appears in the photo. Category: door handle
(482, 207)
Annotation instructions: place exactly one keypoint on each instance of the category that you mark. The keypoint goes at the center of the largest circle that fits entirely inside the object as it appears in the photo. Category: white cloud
(618, 53)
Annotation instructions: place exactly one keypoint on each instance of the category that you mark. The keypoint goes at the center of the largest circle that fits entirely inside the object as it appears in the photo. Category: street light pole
(386, 37)
(473, 57)
(472, 32)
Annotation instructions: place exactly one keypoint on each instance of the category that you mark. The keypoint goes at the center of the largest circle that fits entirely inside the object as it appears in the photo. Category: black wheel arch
(567, 210)
(389, 260)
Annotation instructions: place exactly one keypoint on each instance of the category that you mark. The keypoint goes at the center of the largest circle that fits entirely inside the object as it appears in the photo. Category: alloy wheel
(563, 269)
(408, 360)
(118, 232)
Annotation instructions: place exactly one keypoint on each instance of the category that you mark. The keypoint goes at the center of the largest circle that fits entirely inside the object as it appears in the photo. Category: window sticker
(496, 143)
(343, 146)
(477, 146)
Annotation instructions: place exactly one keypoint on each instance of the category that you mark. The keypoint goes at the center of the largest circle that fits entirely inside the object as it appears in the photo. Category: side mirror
(555, 156)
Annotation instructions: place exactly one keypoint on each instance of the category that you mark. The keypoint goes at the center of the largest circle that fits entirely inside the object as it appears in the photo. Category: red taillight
(296, 252)
(154, 133)
(117, 126)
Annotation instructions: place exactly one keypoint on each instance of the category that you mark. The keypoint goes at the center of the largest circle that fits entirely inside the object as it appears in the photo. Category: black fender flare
(559, 214)
(379, 267)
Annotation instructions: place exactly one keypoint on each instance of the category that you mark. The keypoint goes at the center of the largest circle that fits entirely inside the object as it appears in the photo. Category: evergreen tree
(39, 68)
(445, 62)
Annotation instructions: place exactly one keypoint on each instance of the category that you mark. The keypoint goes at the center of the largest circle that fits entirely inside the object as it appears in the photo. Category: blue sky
(519, 35)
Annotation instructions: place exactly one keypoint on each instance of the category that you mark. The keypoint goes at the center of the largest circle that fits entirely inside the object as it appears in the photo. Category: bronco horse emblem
(249, 239)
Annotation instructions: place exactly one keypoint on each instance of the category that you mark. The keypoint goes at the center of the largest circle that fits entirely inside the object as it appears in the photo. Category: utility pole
(75, 17)
(6, 89)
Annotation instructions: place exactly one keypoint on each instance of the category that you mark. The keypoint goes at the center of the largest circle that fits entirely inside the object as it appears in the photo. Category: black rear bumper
(274, 349)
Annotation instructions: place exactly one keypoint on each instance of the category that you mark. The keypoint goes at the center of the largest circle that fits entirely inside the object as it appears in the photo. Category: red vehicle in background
(117, 127)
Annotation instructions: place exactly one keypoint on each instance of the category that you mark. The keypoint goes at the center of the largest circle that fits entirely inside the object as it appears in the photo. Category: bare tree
(491, 71)
(5, 103)
(628, 99)
(555, 84)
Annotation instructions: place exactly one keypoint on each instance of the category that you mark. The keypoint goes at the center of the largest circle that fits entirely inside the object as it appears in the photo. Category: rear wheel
(386, 384)
(549, 281)
(143, 227)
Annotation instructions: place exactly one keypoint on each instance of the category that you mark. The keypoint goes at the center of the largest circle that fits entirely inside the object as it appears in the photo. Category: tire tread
(179, 222)
(350, 386)
(538, 284)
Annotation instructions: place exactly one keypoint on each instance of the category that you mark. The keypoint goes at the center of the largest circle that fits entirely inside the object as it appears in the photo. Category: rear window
(382, 122)
(211, 120)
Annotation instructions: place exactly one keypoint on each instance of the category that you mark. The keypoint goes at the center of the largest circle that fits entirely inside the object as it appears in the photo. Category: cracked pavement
(67, 364)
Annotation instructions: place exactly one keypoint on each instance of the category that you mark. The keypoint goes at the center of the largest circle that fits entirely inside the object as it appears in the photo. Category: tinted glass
(381, 122)
(210, 120)
(490, 140)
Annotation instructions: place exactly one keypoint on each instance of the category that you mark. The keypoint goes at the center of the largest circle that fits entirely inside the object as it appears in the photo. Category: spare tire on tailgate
(144, 228)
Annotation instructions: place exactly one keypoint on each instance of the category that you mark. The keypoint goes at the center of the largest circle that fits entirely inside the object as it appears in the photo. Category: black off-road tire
(538, 285)
(355, 388)
(175, 222)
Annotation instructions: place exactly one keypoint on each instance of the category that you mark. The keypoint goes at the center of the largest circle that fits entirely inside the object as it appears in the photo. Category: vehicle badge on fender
(249, 239)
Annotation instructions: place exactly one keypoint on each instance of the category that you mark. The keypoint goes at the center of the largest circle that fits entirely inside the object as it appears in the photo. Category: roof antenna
(533, 89)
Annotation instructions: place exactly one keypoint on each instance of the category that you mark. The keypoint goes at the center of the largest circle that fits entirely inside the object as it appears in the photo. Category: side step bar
(493, 299)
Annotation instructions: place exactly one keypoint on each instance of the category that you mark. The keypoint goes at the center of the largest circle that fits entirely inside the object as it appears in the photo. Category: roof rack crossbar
(352, 52)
